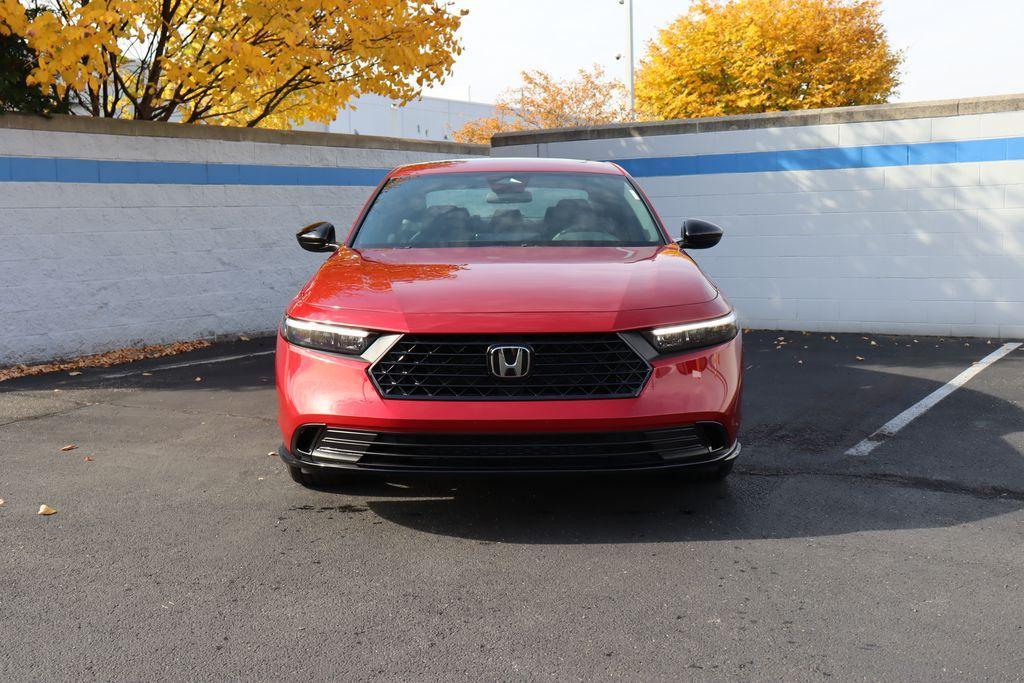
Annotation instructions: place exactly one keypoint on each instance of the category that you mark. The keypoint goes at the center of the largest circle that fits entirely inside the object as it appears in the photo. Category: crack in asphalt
(184, 411)
(181, 411)
(27, 418)
(920, 483)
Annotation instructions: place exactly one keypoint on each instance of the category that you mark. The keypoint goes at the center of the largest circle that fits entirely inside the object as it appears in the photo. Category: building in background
(428, 118)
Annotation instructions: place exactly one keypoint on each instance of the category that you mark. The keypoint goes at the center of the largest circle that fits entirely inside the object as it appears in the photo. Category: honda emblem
(511, 361)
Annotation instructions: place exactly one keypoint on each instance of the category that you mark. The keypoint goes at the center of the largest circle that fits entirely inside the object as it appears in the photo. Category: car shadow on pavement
(748, 506)
(948, 468)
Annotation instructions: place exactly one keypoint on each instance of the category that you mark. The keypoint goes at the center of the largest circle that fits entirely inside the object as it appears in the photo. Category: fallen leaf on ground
(74, 372)
(46, 510)
(69, 447)
(242, 337)
(87, 458)
(104, 360)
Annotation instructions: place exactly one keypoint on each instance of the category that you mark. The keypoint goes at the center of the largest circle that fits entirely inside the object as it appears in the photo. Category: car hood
(507, 280)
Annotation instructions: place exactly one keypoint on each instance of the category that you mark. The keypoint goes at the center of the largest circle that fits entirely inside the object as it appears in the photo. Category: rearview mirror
(698, 234)
(317, 237)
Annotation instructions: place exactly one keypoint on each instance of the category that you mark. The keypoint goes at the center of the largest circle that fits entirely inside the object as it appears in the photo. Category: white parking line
(171, 366)
(907, 416)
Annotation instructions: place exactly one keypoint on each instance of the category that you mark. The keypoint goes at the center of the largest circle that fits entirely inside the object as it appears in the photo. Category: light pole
(629, 56)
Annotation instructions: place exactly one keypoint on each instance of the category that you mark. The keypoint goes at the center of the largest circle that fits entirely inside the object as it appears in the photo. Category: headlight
(694, 335)
(326, 337)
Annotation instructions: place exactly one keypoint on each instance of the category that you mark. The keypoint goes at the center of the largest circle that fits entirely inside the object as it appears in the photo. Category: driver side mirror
(317, 237)
(698, 234)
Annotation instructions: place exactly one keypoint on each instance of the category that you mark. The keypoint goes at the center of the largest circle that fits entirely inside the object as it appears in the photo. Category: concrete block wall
(890, 219)
(122, 233)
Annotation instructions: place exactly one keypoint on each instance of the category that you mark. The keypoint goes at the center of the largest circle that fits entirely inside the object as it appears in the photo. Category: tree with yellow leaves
(743, 56)
(542, 101)
(234, 62)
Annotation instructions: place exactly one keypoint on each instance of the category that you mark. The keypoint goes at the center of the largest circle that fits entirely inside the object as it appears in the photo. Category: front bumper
(702, 386)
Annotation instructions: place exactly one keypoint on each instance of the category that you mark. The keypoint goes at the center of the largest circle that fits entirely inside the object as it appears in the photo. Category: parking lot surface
(180, 548)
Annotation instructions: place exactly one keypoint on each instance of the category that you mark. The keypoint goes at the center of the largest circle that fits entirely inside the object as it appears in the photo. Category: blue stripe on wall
(828, 158)
(52, 169)
(34, 169)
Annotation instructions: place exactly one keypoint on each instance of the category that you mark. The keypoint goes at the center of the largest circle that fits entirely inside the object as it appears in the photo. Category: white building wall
(183, 249)
(897, 247)
(427, 118)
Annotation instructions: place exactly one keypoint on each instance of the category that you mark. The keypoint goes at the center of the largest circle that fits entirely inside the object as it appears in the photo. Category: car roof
(506, 165)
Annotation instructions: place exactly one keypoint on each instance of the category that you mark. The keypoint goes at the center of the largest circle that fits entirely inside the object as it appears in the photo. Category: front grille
(511, 452)
(455, 367)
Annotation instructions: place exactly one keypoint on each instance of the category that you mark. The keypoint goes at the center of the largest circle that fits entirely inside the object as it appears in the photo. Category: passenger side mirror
(317, 237)
(698, 234)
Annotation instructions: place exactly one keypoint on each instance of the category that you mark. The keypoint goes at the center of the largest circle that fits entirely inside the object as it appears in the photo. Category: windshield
(510, 209)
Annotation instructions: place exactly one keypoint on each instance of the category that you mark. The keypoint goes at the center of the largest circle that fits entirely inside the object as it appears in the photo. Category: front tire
(310, 480)
(703, 474)
(720, 471)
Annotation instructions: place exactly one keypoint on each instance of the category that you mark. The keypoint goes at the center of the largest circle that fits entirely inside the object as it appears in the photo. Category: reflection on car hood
(507, 280)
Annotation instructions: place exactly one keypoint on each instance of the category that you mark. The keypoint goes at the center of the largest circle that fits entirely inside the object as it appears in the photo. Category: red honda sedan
(505, 316)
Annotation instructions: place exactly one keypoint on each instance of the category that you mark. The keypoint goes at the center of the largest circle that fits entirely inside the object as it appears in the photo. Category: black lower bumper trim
(485, 464)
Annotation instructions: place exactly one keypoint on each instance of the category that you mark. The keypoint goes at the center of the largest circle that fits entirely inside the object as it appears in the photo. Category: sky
(953, 48)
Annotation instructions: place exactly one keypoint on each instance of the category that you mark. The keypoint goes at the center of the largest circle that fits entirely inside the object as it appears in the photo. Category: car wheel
(701, 474)
(310, 480)
(720, 471)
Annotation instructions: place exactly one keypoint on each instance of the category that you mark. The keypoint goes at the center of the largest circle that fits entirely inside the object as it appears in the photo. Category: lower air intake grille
(563, 366)
(535, 451)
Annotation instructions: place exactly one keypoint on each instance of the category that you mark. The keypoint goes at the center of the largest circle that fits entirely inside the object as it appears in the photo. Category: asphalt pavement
(181, 549)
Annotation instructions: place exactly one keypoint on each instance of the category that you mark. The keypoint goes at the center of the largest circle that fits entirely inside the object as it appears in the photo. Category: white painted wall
(924, 249)
(92, 266)
(88, 267)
